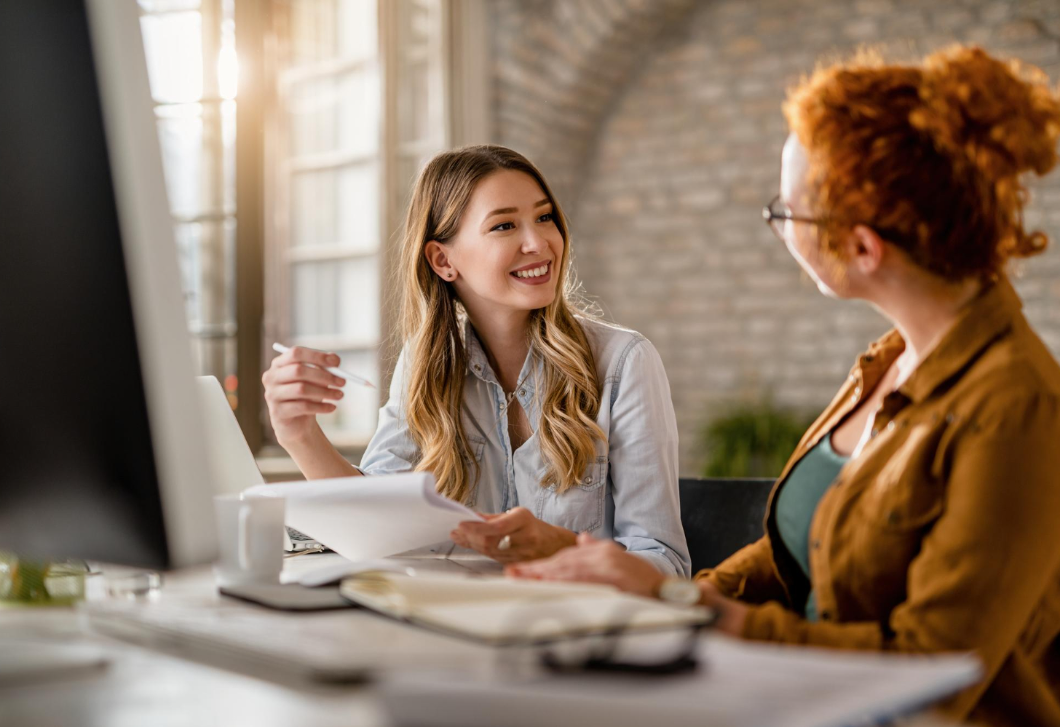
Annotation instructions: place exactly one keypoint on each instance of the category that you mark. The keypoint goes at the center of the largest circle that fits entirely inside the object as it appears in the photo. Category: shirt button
(890, 425)
(477, 367)
(522, 392)
(587, 480)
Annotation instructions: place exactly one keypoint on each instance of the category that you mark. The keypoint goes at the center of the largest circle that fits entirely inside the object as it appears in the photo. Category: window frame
(461, 77)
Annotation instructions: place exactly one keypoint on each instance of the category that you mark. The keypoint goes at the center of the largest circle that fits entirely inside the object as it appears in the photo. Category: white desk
(144, 688)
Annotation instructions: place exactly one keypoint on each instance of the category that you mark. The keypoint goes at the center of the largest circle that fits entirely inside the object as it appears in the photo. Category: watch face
(676, 590)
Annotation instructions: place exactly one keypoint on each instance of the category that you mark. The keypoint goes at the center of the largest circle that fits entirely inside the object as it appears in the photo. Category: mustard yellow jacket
(944, 533)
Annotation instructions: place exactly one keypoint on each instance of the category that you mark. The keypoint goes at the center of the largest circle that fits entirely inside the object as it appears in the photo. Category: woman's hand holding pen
(297, 388)
(513, 537)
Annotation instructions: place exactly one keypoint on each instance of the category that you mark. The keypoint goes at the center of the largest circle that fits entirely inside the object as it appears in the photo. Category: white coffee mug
(250, 536)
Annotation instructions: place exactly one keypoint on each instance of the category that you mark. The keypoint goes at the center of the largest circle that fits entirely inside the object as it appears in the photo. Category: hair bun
(999, 116)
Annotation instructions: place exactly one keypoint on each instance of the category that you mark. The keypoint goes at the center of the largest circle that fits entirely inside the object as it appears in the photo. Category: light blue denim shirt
(629, 494)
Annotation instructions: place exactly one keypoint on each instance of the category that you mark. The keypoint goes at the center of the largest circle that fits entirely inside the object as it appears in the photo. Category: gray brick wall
(660, 125)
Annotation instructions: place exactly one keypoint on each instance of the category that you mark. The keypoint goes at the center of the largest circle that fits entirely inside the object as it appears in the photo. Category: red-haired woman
(921, 512)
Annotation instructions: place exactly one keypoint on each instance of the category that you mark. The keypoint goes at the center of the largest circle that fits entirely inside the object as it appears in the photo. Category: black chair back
(720, 516)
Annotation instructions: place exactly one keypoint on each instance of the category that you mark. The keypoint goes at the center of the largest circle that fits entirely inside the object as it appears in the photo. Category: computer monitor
(101, 449)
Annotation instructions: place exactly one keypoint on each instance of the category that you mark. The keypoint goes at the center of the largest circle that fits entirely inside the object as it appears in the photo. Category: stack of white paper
(362, 518)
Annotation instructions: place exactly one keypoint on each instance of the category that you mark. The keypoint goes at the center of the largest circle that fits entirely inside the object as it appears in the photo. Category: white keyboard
(337, 646)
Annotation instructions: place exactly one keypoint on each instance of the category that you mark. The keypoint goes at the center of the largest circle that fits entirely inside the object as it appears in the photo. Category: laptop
(233, 459)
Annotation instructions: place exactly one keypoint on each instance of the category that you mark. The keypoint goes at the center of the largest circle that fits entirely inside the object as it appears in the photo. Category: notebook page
(505, 610)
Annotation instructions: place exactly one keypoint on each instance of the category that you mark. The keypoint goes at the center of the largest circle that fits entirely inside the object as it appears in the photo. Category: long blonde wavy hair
(435, 353)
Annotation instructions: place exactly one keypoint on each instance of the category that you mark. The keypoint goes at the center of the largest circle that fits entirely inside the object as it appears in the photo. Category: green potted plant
(752, 440)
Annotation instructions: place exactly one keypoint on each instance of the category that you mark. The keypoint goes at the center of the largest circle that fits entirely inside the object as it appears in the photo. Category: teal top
(797, 502)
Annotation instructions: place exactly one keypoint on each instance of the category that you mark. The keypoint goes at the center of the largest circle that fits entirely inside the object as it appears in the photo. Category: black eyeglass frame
(771, 215)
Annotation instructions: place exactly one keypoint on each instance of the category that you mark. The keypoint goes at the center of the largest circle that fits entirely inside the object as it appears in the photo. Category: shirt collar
(873, 364)
(479, 366)
(984, 319)
(477, 362)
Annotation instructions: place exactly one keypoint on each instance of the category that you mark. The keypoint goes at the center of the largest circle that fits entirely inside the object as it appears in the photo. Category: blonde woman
(551, 422)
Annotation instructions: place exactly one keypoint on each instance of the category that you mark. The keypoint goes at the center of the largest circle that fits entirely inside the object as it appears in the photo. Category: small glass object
(132, 584)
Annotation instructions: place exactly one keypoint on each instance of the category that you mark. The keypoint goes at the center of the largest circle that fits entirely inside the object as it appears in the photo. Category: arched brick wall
(665, 154)
(559, 67)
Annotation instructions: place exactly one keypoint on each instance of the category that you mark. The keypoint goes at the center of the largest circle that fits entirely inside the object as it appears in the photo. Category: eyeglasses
(776, 214)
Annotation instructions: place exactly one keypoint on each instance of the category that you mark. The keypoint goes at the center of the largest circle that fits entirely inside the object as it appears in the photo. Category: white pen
(280, 348)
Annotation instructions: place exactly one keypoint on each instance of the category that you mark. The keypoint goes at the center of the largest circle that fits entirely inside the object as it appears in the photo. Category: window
(359, 106)
(341, 103)
(191, 63)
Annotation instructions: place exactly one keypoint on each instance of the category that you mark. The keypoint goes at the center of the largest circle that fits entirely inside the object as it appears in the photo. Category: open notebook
(500, 611)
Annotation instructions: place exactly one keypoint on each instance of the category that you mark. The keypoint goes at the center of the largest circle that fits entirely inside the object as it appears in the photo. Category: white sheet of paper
(362, 518)
(739, 684)
(335, 572)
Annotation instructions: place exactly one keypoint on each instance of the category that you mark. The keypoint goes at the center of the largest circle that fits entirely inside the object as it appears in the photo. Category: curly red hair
(930, 156)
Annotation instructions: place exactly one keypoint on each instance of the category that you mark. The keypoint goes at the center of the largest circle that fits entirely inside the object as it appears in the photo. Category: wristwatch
(680, 591)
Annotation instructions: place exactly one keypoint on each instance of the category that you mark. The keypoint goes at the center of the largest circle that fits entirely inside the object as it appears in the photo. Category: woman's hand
(297, 388)
(731, 613)
(605, 561)
(595, 561)
(528, 537)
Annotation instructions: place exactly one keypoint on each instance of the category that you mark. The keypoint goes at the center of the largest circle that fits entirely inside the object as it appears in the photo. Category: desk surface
(143, 687)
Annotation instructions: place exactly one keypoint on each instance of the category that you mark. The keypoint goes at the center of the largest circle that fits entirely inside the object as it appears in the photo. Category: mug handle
(244, 548)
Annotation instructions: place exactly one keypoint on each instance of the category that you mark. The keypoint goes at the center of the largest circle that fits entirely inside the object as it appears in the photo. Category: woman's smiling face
(508, 250)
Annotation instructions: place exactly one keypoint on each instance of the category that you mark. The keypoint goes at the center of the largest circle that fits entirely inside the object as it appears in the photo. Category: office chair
(721, 515)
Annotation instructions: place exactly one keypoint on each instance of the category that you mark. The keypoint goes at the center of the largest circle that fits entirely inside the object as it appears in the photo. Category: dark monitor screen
(77, 471)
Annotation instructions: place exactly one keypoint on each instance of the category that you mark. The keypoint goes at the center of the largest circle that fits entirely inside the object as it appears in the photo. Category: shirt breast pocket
(478, 451)
(903, 506)
(905, 495)
(478, 447)
(581, 507)
(899, 505)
